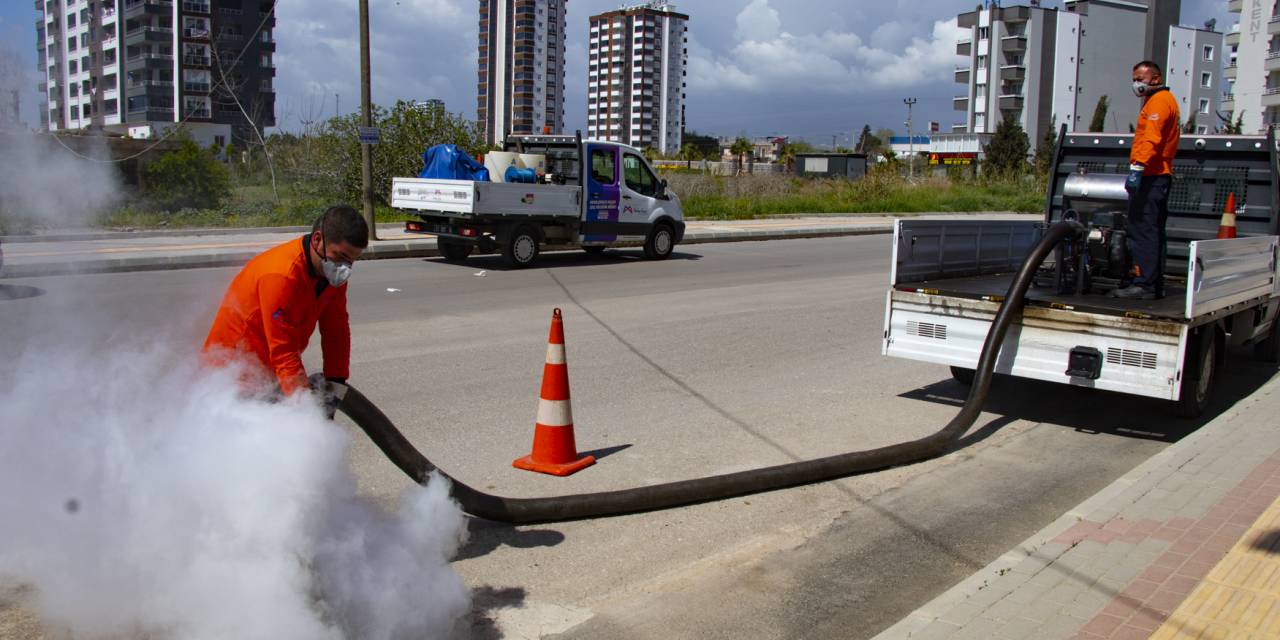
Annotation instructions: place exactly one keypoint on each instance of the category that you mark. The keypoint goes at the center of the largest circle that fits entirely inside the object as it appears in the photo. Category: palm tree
(689, 153)
(740, 147)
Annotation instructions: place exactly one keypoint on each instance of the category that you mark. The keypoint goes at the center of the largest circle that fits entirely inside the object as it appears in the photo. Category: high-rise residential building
(1042, 65)
(1252, 76)
(636, 69)
(521, 70)
(1193, 70)
(154, 63)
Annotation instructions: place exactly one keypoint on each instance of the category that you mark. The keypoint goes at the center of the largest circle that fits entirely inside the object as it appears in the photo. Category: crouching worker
(274, 304)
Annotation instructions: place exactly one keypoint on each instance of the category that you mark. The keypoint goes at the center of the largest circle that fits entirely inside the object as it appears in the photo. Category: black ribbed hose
(672, 494)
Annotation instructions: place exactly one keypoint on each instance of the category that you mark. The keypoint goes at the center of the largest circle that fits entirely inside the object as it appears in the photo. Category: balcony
(1233, 38)
(195, 7)
(1011, 102)
(960, 127)
(134, 8)
(960, 103)
(1231, 70)
(963, 75)
(1015, 14)
(1016, 72)
(1271, 96)
(1013, 44)
(196, 61)
(1235, 6)
(196, 87)
(1273, 61)
(964, 47)
(148, 33)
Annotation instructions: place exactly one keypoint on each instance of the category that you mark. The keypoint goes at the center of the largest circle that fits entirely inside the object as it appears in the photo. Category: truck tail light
(413, 226)
(467, 232)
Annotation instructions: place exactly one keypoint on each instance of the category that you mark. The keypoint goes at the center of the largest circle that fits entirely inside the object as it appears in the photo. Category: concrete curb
(386, 250)
(1040, 546)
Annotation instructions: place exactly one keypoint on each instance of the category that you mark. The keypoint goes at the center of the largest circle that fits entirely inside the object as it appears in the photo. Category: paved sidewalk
(1184, 546)
(96, 252)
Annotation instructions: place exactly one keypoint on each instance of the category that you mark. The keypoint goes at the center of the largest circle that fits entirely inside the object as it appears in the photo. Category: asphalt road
(726, 357)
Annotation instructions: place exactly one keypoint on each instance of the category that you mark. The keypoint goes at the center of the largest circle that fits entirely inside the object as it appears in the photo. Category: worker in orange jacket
(273, 306)
(1155, 143)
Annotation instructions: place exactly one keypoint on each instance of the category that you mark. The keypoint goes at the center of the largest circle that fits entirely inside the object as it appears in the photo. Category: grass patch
(751, 196)
(249, 206)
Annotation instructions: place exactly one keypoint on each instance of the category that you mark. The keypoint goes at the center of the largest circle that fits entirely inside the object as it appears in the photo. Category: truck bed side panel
(466, 197)
(1140, 356)
(1225, 272)
(936, 249)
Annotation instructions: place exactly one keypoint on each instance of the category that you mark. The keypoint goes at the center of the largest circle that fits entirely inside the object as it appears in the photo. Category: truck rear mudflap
(1130, 355)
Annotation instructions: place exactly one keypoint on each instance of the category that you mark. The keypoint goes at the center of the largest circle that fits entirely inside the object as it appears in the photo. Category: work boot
(1132, 292)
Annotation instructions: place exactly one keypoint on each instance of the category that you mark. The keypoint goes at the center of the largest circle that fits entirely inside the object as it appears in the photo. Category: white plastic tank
(497, 162)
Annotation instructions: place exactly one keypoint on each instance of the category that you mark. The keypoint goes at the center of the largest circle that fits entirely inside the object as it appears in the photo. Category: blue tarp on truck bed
(448, 162)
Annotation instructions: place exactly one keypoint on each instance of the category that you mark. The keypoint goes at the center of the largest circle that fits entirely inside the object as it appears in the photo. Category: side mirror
(662, 187)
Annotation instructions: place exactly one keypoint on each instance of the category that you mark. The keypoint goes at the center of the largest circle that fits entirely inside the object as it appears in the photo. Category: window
(603, 170)
(1206, 79)
(1204, 105)
(72, 67)
(1207, 54)
(984, 33)
(639, 178)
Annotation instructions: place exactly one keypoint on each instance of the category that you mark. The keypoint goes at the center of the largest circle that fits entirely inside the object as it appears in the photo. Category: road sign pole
(366, 106)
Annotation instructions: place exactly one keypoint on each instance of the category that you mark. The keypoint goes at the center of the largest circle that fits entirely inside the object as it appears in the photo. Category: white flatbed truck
(600, 195)
(949, 277)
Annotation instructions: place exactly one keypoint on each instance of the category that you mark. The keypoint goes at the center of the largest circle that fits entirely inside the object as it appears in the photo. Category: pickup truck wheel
(1269, 349)
(660, 243)
(962, 375)
(454, 251)
(521, 248)
(1198, 373)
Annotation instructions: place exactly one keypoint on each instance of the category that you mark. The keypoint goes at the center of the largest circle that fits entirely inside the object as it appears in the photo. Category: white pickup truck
(592, 195)
(950, 277)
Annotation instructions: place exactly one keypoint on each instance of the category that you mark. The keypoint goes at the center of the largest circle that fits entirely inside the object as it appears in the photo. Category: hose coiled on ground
(591, 505)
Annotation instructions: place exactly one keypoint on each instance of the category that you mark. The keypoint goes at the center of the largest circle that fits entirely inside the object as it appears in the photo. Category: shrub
(186, 177)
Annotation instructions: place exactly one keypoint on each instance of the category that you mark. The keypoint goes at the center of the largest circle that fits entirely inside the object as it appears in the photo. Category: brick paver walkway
(1184, 544)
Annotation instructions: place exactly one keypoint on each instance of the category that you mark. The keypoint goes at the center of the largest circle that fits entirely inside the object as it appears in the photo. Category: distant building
(153, 63)
(1193, 71)
(521, 68)
(636, 76)
(903, 145)
(1252, 75)
(1049, 67)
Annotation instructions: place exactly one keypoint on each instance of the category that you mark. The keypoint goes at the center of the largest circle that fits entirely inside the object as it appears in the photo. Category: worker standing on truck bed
(1155, 142)
(273, 306)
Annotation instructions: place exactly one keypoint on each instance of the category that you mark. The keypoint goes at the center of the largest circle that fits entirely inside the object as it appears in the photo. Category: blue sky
(805, 68)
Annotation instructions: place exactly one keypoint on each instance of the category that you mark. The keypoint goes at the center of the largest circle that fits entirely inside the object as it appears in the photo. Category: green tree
(791, 149)
(186, 177)
(1007, 151)
(741, 146)
(1099, 121)
(1235, 128)
(1048, 144)
(863, 138)
(328, 163)
(1190, 126)
(689, 153)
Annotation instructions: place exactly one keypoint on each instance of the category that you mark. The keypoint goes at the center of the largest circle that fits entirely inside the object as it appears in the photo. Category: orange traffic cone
(554, 450)
(1227, 228)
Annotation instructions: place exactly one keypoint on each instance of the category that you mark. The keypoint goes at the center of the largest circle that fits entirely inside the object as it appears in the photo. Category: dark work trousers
(1148, 213)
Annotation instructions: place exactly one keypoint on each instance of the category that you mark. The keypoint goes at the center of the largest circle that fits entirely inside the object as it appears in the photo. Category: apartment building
(1046, 67)
(1193, 70)
(636, 68)
(149, 64)
(521, 67)
(1252, 75)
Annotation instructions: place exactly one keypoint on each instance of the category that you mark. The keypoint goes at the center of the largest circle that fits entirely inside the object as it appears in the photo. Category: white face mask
(337, 273)
(1142, 89)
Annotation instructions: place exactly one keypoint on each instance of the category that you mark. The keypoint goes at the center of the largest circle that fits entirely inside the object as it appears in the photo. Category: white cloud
(766, 58)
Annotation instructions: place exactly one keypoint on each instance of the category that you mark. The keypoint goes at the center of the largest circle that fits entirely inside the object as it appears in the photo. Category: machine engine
(1096, 261)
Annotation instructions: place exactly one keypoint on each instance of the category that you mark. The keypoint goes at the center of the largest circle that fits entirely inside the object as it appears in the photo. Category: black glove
(1134, 181)
(324, 392)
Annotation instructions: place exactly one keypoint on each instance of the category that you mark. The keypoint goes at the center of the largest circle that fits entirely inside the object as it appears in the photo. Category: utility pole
(833, 142)
(366, 106)
(911, 141)
(337, 105)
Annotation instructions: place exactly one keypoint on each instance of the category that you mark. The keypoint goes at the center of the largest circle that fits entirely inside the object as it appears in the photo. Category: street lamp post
(911, 141)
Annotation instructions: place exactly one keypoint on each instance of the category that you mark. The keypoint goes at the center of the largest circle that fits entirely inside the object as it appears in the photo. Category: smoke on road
(143, 497)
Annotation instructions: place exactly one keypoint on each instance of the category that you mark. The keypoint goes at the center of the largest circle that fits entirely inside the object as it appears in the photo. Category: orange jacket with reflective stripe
(272, 308)
(1155, 140)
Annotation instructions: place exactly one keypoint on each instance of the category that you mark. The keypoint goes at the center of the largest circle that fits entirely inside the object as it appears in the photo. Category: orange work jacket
(1155, 139)
(272, 308)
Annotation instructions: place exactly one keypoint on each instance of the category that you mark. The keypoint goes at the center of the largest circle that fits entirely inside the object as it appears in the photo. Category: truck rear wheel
(521, 247)
(1198, 373)
(453, 251)
(660, 243)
